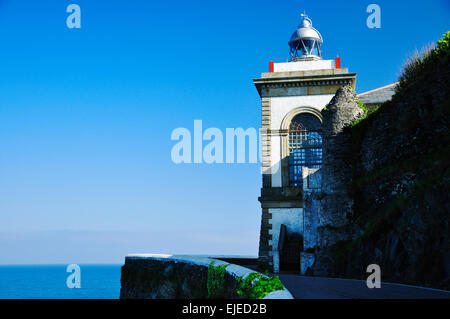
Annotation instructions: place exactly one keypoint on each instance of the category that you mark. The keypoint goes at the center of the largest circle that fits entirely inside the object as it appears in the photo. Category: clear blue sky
(86, 116)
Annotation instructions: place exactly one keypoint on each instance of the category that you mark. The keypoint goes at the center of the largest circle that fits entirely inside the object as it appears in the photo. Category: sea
(50, 282)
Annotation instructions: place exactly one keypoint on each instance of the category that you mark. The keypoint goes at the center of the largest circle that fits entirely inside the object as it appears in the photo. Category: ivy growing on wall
(254, 286)
(257, 286)
(216, 281)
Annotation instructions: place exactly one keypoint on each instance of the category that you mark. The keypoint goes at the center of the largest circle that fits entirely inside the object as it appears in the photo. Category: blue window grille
(305, 146)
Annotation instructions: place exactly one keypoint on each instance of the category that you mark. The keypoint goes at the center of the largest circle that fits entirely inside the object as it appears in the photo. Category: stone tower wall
(336, 204)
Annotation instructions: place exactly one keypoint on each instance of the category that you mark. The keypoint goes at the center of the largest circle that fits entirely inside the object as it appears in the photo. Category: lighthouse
(293, 93)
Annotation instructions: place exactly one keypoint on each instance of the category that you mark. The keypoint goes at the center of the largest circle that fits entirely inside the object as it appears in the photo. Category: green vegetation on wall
(362, 107)
(254, 286)
(443, 45)
(216, 281)
(257, 286)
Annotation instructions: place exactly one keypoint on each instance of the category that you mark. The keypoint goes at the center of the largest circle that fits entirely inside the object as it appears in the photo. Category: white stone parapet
(199, 263)
(304, 65)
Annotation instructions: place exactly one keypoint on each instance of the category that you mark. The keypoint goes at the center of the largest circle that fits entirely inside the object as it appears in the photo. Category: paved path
(302, 287)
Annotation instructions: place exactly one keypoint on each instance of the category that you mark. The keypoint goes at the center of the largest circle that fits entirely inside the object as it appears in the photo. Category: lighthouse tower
(293, 93)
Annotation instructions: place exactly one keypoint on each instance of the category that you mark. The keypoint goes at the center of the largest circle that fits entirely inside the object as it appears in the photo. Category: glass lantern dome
(305, 43)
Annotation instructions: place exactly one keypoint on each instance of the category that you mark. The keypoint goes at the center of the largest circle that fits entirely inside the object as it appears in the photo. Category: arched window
(305, 146)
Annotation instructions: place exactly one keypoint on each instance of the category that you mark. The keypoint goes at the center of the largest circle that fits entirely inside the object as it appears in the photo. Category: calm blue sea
(49, 281)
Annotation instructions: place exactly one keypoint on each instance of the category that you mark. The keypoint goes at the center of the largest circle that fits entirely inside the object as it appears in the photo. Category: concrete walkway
(304, 287)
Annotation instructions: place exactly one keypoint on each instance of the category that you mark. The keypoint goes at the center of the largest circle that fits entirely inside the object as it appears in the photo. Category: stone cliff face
(394, 178)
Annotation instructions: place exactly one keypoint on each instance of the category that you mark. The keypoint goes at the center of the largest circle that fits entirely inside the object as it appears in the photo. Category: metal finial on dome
(305, 43)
